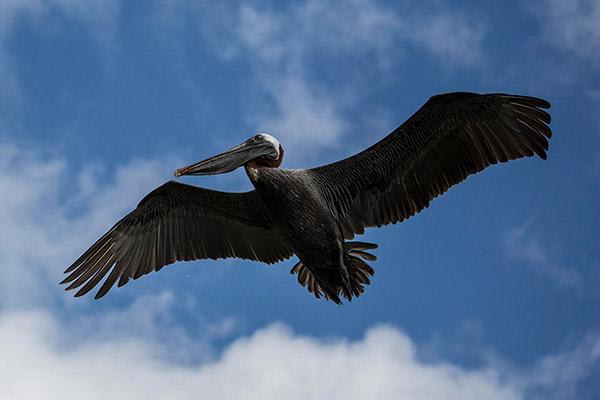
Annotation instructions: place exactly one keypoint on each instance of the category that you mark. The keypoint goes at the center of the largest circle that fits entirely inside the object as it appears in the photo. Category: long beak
(229, 160)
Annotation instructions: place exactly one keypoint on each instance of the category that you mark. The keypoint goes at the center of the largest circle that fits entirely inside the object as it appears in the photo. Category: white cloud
(573, 26)
(358, 28)
(43, 357)
(143, 351)
(557, 376)
(450, 37)
(283, 44)
(40, 234)
(303, 120)
(521, 244)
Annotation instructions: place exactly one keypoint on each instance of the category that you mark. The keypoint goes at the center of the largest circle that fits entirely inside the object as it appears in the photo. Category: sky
(492, 292)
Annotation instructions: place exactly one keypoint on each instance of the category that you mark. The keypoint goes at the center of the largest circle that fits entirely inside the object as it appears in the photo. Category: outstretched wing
(178, 222)
(451, 137)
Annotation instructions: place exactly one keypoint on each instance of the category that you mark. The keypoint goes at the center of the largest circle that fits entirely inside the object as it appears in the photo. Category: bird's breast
(294, 203)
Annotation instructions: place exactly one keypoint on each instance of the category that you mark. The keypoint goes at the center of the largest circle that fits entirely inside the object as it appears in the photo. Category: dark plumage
(310, 213)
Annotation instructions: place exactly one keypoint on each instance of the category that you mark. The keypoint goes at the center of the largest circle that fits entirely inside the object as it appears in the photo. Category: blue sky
(491, 292)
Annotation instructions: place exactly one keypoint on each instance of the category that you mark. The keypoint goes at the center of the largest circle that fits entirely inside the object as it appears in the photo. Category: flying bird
(315, 213)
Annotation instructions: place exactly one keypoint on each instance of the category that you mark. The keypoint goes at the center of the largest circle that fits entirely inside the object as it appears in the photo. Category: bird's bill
(228, 160)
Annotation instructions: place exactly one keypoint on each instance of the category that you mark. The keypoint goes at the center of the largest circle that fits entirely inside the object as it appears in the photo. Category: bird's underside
(451, 137)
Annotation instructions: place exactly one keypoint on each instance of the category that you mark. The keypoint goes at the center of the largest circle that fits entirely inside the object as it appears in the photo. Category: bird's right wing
(451, 137)
(178, 222)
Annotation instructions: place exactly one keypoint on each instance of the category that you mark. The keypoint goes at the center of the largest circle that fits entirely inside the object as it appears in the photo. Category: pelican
(315, 213)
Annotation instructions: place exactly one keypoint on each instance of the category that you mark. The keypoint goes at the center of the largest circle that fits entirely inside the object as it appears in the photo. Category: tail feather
(354, 277)
(359, 246)
(308, 280)
(363, 254)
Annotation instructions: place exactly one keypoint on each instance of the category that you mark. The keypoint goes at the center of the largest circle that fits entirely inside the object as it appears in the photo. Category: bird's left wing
(451, 137)
(178, 222)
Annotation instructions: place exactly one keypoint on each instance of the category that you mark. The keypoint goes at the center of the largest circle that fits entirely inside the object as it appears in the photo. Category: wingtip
(529, 100)
(71, 286)
(66, 280)
(70, 268)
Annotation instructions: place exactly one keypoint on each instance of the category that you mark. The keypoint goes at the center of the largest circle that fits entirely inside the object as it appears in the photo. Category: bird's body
(300, 215)
(314, 213)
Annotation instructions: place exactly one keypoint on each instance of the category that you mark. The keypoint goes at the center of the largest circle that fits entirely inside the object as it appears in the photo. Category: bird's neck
(258, 165)
(252, 171)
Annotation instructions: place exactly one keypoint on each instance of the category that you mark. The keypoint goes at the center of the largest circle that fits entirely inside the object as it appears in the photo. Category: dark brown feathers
(451, 137)
(178, 222)
(357, 270)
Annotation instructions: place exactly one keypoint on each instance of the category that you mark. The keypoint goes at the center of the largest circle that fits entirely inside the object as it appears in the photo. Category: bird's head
(260, 151)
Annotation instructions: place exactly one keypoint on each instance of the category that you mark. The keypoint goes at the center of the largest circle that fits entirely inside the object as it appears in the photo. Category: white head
(268, 138)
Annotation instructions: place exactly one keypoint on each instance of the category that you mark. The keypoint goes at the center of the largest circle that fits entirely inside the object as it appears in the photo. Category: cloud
(305, 120)
(49, 213)
(520, 244)
(358, 28)
(450, 37)
(306, 102)
(558, 376)
(572, 26)
(97, 359)
(144, 350)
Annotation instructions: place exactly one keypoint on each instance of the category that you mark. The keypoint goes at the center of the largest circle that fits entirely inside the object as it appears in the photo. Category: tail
(357, 270)
(354, 277)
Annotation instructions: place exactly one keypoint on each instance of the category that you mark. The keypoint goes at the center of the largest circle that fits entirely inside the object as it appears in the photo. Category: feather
(178, 222)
